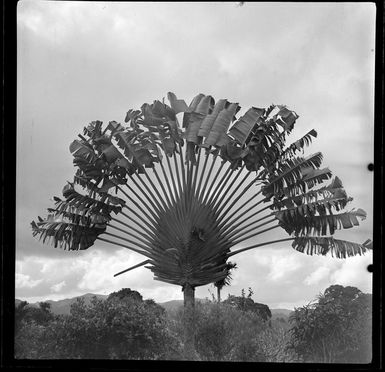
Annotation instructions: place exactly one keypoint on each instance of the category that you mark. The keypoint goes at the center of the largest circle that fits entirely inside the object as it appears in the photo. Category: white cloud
(353, 272)
(58, 287)
(282, 266)
(275, 275)
(317, 275)
(100, 267)
(91, 272)
(25, 281)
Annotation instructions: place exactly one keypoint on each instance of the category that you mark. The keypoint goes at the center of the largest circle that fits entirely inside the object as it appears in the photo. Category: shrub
(223, 332)
(126, 328)
(274, 343)
(334, 329)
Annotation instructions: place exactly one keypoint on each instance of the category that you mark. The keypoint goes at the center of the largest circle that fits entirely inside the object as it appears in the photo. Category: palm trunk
(218, 294)
(189, 323)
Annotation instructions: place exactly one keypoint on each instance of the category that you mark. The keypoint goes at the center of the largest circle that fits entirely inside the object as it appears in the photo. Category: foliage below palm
(121, 327)
(337, 328)
(244, 303)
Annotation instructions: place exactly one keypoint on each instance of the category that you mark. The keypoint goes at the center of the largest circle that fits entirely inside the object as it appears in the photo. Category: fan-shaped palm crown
(187, 194)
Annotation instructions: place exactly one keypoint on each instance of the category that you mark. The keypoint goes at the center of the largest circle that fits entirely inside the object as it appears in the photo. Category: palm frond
(327, 244)
(298, 145)
(83, 150)
(319, 224)
(333, 190)
(309, 179)
(185, 194)
(97, 203)
(67, 235)
(178, 105)
(242, 129)
(296, 208)
(290, 172)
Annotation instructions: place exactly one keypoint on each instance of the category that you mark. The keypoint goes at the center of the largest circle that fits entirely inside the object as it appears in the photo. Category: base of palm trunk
(189, 323)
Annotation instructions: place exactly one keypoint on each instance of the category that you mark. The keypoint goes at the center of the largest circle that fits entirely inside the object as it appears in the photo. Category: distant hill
(280, 313)
(171, 305)
(62, 307)
(176, 304)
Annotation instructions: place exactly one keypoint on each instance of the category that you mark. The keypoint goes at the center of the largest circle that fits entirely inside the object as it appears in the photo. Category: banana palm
(190, 193)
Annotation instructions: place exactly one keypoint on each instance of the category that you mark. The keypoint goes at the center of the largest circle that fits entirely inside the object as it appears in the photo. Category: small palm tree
(226, 281)
(190, 195)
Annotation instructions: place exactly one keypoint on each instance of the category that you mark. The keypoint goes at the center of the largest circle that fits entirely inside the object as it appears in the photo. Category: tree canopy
(337, 328)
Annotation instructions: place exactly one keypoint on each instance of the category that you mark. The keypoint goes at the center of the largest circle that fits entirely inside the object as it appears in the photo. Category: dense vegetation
(335, 328)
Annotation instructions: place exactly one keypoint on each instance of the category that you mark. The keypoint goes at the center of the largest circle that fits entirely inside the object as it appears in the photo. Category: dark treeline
(336, 327)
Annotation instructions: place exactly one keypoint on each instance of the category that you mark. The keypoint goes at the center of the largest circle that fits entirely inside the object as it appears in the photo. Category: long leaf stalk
(133, 267)
(233, 225)
(207, 189)
(178, 176)
(202, 173)
(124, 231)
(238, 209)
(234, 231)
(167, 207)
(236, 200)
(257, 233)
(141, 233)
(183, 170)
(208, 177)
(148, 232)
(242, 235)
(145, 247)
(198, 189)
(145, 222)
(220, 186)
(214, 187)
(222, 202)
(151, 194)
(166, 195)
(229, 237)
(172, 191)
(258, 245)
(196, 171)
(188, 189)
(174, 198)
(150, 206)
(148, 195)
(232, 238)
(164, 204)
(139, 206)
(224, 189)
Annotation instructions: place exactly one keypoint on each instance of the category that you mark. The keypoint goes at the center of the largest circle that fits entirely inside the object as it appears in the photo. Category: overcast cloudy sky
(79, 62)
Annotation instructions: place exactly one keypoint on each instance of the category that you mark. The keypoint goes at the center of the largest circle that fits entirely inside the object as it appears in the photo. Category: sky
(83, 61)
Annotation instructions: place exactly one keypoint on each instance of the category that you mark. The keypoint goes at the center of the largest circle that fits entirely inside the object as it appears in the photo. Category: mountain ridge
(62, 307)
